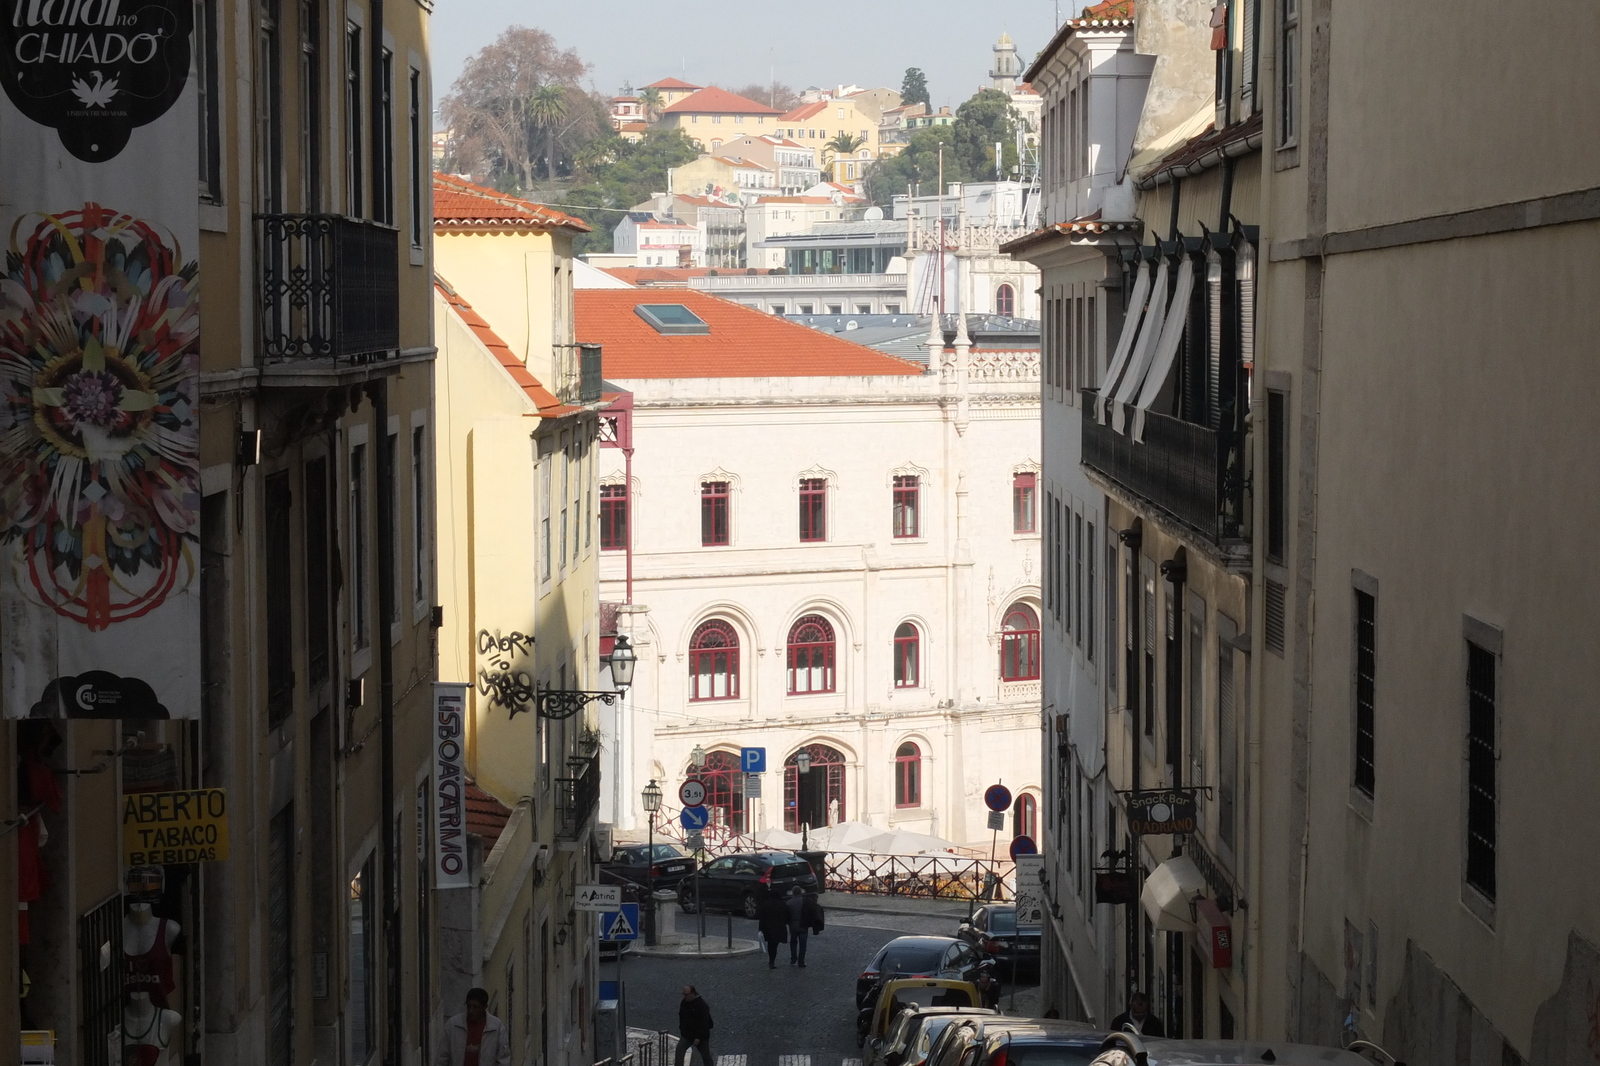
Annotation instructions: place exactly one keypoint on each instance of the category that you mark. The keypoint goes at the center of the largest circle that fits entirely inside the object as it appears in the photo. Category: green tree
(968, 149)
(651, 101)
(914, 87)
(985, 119)
(627, 175)
(546, 108)
(918, 167)
(843, 144)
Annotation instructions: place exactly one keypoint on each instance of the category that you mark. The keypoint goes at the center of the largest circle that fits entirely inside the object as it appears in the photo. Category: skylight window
(671, 319)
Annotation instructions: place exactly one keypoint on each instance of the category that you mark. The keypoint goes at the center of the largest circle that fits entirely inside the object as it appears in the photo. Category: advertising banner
(450, 786)
(167, 828)
(99, 360)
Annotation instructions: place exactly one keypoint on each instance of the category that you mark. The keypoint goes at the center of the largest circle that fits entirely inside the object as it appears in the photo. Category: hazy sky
(824, 42)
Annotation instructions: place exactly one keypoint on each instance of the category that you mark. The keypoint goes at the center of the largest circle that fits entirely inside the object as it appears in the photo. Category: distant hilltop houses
(775, 213)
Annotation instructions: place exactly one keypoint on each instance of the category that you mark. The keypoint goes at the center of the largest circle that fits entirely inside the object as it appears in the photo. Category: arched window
(908, 775)
(811, 655)
(714, 662)
(907, 656)
(817, 798)
(1024, 817)
(724, 781)
(1019, 644)
(1005, 301)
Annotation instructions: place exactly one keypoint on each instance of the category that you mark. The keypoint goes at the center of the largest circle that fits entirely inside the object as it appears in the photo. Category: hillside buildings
(712, 116)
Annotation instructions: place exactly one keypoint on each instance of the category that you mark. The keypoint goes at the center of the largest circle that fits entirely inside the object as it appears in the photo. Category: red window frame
(1005, 301)
(827, 774)
(724, 780)
(908, 776)
(907, 656)
(1025, 817)
(811, 657)
(613, 517)
(1024, 503)
(813, 509)
(714, 652)
(1019, 644)
(713, 514)
(907, 497)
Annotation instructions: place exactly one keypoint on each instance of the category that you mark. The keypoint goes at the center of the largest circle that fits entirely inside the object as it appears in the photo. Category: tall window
(1005, 301)
(907, 656)
(1024, 502)
(1019, 644)
(388, 461)
(1227, 747)
(319, 586)
(419, 514)
(714, 662)
(208, 101)
(1483, 797)
(383, 165)
(269, 109)
(1289, 64)
(363, 1020)
(906, 488)
(1366, 641)
(1090, 587)
(280, 614)
(419, 173)
(310, 107)
(908, 776)
(613, 517)
(713, 513)
(1025, 817)
(813, 509)
(353, 149)
(359, 619)
(566, 493)
(1277, 475)
(544, 517)
(811, 656)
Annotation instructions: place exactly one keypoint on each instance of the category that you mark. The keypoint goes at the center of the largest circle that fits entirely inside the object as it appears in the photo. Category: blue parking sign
(753, 760)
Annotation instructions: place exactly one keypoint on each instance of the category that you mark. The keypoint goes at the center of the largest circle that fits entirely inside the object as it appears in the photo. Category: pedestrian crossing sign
(620, 925)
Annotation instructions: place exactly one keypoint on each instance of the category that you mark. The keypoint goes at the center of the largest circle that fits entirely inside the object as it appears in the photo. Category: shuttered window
(1482, 772)
(1366, 640)
(1227, 747)
(280, 614)
(1277, 475)
(1247, 76)
(1276, 597)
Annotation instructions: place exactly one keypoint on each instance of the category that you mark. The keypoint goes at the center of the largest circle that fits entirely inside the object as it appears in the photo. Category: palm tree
(842, 145)
(546, 107)
(650, 99)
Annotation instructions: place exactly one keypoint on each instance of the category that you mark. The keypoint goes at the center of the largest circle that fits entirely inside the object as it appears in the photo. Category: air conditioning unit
(602, 843)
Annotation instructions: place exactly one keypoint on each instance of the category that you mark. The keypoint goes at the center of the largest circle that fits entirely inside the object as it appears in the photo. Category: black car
(916, 956)
(912, 1034)
(633, 862)
(737, 882)
(993, 931)
(1003, 1041)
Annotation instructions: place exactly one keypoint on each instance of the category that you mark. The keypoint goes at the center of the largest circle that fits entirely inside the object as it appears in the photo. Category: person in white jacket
(474, 1037)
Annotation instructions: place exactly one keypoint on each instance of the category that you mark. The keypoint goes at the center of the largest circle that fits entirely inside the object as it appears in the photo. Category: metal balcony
(589, 373)
(577, 797)
(329, 288)
(1191, 472)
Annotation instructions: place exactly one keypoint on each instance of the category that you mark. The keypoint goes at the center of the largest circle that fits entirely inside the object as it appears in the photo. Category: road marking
(794, 1060)
(733, 1060)
(850, 1062)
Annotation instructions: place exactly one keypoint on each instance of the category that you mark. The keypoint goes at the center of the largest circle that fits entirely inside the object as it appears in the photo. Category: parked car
(634, 862)
(992, 929)
(1005, 1041)
(736, 882)
(1125, 1047)
(913, 993)
(912, 1034)
(916, 956)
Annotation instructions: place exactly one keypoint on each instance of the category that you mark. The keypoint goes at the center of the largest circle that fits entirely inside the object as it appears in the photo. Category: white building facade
(828, 550)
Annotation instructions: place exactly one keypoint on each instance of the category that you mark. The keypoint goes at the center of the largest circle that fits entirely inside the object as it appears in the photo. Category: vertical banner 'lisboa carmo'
(99, 360)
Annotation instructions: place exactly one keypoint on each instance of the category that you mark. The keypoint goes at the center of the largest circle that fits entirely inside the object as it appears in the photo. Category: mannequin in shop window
(148, 941)
(146, 1034)
(38, 794)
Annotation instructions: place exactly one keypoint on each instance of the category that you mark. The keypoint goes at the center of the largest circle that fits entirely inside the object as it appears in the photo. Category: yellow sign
(165, 828)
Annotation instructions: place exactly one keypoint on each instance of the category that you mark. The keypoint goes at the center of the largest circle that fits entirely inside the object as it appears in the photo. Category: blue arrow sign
(620, 925)
(753, 760)
(695, 818)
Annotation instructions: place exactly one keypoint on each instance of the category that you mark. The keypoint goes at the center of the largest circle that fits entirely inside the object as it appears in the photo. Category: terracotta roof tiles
(458, 202)
(672, 83)
(717, 102)
(543, 399)
(486, 816)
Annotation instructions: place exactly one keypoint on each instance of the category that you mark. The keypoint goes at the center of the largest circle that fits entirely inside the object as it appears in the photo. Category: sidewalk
(910, 906)
(689, 946)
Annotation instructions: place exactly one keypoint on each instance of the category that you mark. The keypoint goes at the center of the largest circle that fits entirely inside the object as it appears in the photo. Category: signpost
(997, 798)
(695, 818)
(620, 923)
(694, 840)
(997, 821)
(692, 793)
(752, 786)
(753, 760)
(1162, 811)
(599, 899)
(1021, 846)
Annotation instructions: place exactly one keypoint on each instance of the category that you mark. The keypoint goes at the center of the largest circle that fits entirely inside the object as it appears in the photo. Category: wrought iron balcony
(577, 796)
(1192, 472)
(329, 287)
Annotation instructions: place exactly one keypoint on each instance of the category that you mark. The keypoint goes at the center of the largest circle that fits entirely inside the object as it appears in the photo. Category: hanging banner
(450, 786)
(99, 360)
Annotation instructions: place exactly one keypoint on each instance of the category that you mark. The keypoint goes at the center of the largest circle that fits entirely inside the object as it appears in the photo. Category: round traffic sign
(692, 793)
(1023, 845)
(997, 798)
(695, 817)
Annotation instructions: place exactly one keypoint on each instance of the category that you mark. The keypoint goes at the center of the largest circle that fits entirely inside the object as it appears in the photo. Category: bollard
(730, 930)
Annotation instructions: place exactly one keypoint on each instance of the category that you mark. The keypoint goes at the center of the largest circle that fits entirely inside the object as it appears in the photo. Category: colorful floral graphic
(99, 414)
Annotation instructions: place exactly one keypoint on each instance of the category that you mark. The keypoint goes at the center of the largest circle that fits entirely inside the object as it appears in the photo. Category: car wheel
(749, 905)
(685, 902)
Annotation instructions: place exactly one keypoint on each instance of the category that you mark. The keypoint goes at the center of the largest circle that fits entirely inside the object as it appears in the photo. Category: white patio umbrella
(846, 836)
(906, 842)
(774, 839)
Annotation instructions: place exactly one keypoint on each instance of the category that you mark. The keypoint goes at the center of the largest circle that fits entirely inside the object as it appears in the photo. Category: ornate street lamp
(622, 660)
(651, 798)
(802, 765)
(697, 758)
(564, 703)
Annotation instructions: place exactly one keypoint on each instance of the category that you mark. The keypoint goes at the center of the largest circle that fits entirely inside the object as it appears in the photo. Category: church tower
(1007, 67)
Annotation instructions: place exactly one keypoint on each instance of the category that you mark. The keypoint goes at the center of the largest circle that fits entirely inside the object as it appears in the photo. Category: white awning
(1167, 347)
(1130, 331)
(1143, 348)
(1169, 894)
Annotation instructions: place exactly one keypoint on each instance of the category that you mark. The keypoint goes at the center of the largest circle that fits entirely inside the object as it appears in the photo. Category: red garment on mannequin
(152, 971)
(37, 785)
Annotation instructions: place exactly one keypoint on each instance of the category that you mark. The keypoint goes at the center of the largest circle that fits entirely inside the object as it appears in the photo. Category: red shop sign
(1216, 933)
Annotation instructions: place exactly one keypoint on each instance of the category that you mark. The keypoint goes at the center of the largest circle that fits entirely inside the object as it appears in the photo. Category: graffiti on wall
(498, 678)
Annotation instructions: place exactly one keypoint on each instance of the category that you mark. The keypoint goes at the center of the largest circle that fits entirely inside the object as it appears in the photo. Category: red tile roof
(486, 816)
(1205, 150)
(672, 83)
(718, 102)
(1107, 10)
(657, 276)
(743, 342)
(805, 111)
(458, 203)
(543, 399)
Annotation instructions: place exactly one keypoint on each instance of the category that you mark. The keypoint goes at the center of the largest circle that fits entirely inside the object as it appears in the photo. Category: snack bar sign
(450, 786)
(168, 828)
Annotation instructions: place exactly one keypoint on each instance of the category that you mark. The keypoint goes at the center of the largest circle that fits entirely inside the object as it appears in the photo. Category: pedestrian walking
(772, 916)
(474, 1037)
(694, 1027)
(1138, 1018)
(805, 918)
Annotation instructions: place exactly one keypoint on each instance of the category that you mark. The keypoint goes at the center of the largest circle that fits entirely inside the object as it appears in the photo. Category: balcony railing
(1187, 470)
(577, 796)
(329, 288)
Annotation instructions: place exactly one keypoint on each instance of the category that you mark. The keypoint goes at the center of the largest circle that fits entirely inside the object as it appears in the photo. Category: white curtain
(1130, 330)
(1167, 346)
(1143, 348)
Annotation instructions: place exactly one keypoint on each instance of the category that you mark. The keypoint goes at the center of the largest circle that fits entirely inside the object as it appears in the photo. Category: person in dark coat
(1138, 1017)
(772, 916)
(694, 1027)
(805, 916)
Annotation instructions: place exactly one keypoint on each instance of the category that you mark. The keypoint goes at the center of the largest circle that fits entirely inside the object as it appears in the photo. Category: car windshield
(1051, 1054)
(911, 958)
(931, 997)
(664, 851)
(1003, 922)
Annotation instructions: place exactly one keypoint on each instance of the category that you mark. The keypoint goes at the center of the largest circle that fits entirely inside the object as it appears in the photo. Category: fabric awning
(1119, 357)
(1166, 348)
(1143, 348)
(1169, 894)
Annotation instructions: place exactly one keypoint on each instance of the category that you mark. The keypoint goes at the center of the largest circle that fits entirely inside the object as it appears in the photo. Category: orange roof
(794, 200)
(486, 816)
(671, 83)
(657, 276)
(743, 342)
(718, 102)
(543, 398)
(634, 127)
(1107, 10)
(805, 111)
(458, 203)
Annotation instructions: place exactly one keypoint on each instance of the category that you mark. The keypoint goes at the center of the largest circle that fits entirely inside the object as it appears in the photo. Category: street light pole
(651, 798)
(802, 766)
